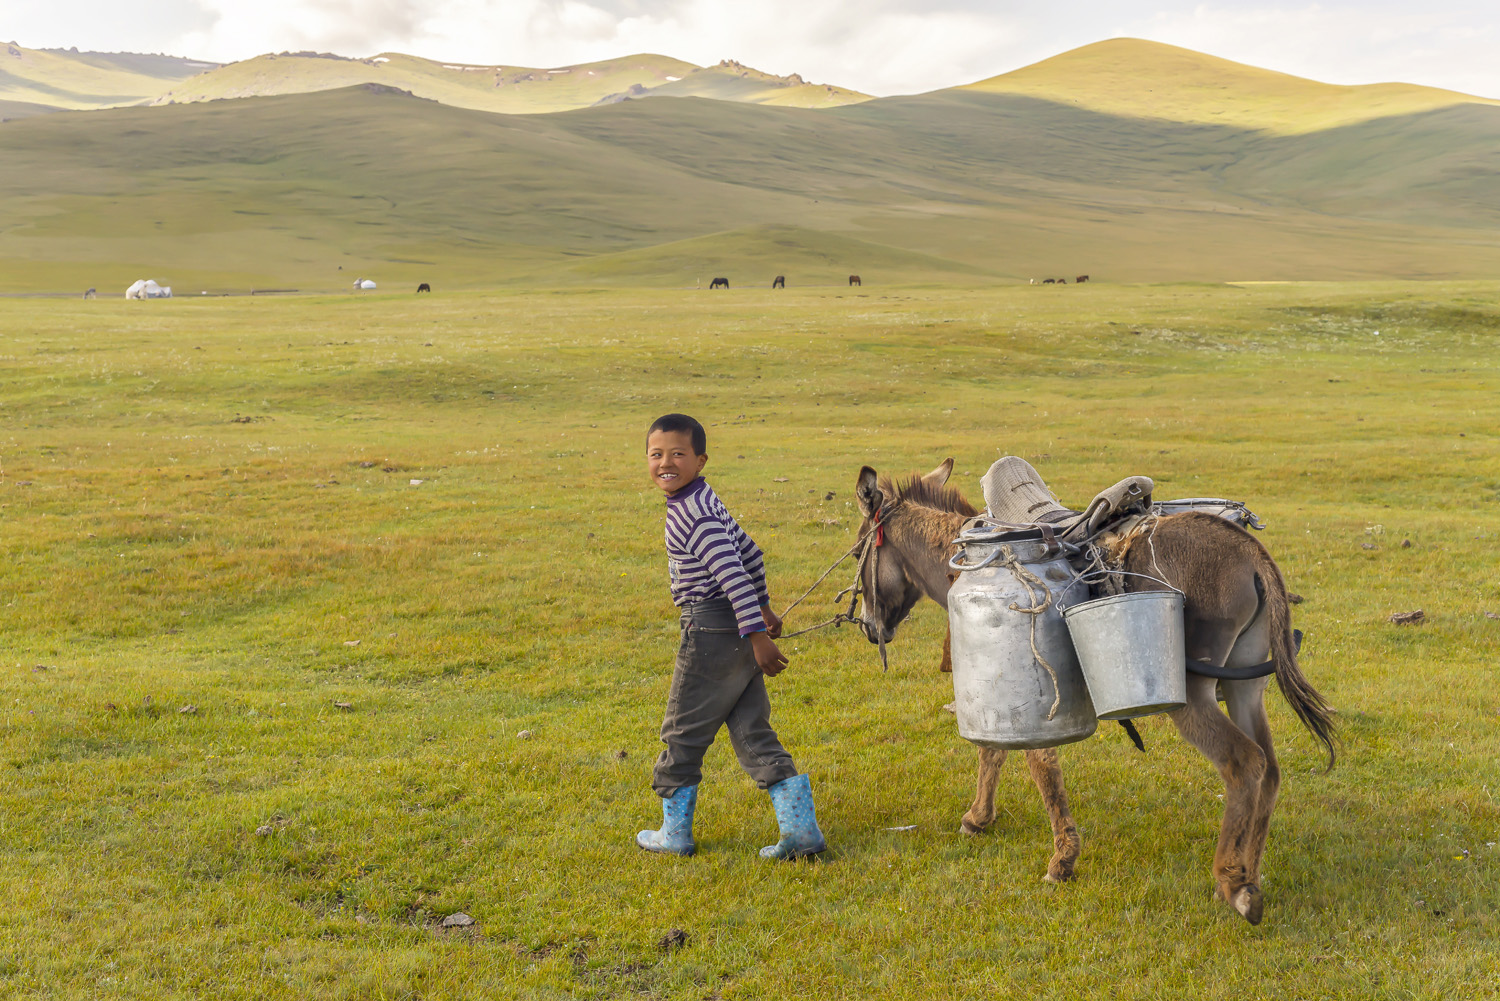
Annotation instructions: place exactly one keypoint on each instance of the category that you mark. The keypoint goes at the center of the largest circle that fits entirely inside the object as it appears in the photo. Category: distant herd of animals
(778, 282)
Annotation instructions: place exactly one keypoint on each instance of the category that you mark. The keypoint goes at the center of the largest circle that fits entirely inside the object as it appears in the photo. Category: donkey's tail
(1311, 708)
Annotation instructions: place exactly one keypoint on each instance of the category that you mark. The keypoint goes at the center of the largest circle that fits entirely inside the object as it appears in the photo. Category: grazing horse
(1080, 279)
(854, 280)
(424, 287)
(719, 283)
(1062, 281)
(1236, 614)
(779, 281)
(91, 294)
(1049, 281)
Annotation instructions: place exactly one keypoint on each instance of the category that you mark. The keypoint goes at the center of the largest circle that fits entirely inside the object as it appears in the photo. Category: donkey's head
(890, 576)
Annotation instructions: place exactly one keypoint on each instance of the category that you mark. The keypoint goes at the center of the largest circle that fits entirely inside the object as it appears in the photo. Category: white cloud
(879, 50)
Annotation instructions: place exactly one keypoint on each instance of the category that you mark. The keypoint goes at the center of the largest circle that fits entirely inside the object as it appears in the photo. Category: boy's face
(671, 461)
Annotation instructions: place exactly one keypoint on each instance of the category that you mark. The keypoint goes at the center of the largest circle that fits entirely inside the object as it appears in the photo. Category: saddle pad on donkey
(1015, 494)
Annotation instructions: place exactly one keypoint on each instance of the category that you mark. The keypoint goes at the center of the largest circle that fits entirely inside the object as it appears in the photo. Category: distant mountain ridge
(1121, 76)
(40, 80)
(514, 90)
(33, 81)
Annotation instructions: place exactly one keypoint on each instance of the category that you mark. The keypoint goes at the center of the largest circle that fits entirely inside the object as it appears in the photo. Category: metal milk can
(1016, 679)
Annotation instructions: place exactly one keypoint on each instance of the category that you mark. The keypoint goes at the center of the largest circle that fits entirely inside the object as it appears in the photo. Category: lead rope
(885, 667)
(1033, 583)
(839, 618)
(864, 547)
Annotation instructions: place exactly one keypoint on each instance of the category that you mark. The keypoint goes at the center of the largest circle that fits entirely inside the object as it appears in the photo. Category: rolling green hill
(508, 89)
(732, 81)
(1136, 78)
(35, 80)
(311, 190)
(38, 80)
(515, 90)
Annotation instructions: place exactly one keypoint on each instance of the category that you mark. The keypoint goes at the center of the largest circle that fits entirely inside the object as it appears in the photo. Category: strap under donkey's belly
(1250, 673)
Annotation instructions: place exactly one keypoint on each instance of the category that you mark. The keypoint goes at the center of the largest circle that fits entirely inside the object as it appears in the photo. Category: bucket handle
(1123, 573)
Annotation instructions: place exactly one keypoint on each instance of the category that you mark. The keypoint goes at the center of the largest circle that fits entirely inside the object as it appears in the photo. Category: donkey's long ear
(940, 475)
(867, 492)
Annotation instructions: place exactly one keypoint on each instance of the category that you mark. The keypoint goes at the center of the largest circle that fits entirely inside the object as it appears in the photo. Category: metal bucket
(1131, 648)
(1004, 696)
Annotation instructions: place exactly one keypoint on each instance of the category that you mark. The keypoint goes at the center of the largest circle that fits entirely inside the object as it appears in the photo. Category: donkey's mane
(915, 490)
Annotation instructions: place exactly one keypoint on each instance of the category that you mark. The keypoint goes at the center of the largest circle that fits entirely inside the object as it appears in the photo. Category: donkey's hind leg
(1242, 765)
(1246, 703)
(1046, 772)
(982, 811)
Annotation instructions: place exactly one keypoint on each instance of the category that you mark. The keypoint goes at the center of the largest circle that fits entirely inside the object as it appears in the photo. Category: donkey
(1236, 614)
(919, 522)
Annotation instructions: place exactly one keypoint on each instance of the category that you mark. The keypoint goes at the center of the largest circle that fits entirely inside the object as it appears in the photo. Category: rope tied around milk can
(1032, 583)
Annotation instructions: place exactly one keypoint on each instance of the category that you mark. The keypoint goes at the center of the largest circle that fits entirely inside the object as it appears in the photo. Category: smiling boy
(727, 651)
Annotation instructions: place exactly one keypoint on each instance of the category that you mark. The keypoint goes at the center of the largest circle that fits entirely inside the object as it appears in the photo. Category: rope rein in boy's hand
(870, 543)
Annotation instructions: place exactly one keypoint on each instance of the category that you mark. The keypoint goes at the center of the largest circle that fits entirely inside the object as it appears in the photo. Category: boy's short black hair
(681, 422)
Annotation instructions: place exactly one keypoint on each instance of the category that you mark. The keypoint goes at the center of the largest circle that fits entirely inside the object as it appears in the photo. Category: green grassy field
(214, 534)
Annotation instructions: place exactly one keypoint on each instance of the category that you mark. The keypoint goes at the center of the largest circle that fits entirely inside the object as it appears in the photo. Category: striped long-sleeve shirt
(710, 556)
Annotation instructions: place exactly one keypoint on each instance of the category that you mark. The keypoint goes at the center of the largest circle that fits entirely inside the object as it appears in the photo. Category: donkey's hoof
(965, 827)
(1059, 872)
(1247, 901)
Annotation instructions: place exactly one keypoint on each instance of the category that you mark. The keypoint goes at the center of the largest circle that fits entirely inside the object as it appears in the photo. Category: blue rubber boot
(798, 820)
(676, 834)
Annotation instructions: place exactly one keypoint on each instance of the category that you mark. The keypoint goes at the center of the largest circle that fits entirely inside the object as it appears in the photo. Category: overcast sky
(879, 46)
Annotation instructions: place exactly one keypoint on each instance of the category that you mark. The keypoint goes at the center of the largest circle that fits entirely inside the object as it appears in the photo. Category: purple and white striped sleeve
(709, 540)
(755, 565)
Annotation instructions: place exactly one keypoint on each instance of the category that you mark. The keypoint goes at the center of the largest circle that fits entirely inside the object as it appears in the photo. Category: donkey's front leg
(1046, 772)
(982, 811)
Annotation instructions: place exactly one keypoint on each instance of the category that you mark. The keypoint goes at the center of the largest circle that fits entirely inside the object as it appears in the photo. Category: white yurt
(146, 288)
(363, 283)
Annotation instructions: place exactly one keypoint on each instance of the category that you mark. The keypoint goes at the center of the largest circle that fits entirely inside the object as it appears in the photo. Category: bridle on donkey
(867, 550)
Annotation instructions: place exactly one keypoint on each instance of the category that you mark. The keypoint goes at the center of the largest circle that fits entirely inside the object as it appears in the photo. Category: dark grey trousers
(716, 682)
